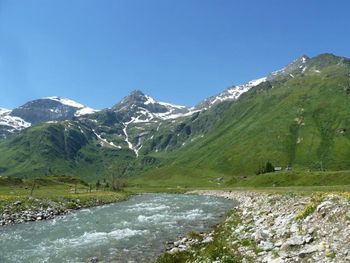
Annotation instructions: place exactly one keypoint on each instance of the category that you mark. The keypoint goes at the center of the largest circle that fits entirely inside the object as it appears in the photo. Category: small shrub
(310, 207)
(268, 168)
(330, 254)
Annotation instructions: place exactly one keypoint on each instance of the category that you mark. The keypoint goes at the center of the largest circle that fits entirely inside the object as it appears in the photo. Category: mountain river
(131, 231)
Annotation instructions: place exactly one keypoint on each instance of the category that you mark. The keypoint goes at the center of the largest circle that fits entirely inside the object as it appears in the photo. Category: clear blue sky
(180, 51)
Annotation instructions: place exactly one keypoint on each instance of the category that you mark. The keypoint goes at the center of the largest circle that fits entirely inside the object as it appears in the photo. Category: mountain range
(137, 107)
(294, 117)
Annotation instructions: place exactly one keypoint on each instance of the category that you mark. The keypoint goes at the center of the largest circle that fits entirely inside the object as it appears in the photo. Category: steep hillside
(64, 148)
(299, 118)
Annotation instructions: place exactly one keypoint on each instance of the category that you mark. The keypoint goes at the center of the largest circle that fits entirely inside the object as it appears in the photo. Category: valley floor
(270, 227)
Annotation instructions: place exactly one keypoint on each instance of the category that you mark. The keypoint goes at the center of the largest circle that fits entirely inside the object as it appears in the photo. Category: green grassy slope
(59, 149)
(302, 121)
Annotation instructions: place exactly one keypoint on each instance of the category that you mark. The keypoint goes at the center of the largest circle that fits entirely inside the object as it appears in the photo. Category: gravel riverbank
(278, 228)
(30, 209)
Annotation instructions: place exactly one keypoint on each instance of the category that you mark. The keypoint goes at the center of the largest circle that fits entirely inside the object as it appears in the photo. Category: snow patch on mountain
(125, 131)
(169, 105)
(230, 94)
(66, 101)
(82, 109)
(299, 63)
(171, 116)
(149, 100)
(104, 141)
(3, 111)
(235, 92)
(14, 123)
(85, 111)
(10, 124)
(173, 111)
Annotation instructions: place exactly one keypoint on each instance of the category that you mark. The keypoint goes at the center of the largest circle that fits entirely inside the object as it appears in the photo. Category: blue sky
(180, 51)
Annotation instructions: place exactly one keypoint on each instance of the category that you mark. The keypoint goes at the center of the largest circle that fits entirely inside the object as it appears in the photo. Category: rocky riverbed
(41, 211)
(277, 228)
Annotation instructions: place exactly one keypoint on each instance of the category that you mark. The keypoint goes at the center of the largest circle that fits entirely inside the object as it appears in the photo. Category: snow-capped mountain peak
(51, 109)
(42, 110)
(144, 108)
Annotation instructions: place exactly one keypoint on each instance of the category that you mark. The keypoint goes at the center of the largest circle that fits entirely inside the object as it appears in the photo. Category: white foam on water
(91, 238)
(148, 208)
(127, 232)
(210, 203)
(169, 218)
(86, 211)
(158, 218)
(192, 215)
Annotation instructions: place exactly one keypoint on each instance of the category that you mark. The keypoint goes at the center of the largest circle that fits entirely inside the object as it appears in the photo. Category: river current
(131, 231)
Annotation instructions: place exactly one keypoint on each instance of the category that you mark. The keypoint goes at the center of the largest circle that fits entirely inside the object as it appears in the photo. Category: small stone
(174, 250)
(323, 205)
(275, 260)
(294, 228)
(295, 241)
(310, 231)
(261, 235)
(285, 247)
(207, 240)
(308, 239)
(94, 260)
(278, 243)
(262, 253)
(267, 246)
